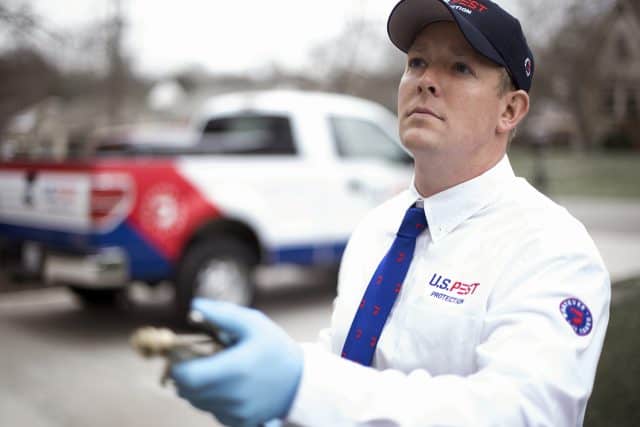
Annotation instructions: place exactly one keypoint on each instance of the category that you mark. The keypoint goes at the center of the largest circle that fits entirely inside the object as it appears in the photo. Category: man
(491, 302)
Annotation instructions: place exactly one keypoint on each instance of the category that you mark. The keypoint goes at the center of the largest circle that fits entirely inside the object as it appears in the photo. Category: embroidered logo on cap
(527, 66)
(577, 314)
(467, 6)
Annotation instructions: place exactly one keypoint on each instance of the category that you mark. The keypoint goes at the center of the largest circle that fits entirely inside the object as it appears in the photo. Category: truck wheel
(219, 269)
(95, 297)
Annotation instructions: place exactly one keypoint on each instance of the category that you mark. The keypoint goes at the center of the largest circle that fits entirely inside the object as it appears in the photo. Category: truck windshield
(249, 134)
(233, 135)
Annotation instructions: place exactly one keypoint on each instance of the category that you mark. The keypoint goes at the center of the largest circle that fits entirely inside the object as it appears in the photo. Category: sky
(222, 36)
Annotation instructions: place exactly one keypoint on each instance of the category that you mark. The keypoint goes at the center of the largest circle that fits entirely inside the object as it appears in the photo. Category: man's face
(448, 103)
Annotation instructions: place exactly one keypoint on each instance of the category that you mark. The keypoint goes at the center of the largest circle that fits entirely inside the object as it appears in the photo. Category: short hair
(505, 85)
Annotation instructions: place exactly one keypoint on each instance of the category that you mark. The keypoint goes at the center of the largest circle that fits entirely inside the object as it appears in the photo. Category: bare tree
(359, 61)
(118, 70)
(25, 73)
(24, 27)
(565, 70)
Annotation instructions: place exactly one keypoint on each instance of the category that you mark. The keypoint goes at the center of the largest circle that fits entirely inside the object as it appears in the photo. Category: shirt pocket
(439, 337)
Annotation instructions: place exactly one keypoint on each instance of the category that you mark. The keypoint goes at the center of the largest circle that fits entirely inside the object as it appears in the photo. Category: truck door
(372, 165)
(256, 174)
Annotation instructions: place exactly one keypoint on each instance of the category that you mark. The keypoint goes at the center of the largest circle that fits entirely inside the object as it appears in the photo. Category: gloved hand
(249, 383)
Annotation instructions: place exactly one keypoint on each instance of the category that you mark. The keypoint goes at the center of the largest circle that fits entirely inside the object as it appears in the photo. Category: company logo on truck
(162, 210)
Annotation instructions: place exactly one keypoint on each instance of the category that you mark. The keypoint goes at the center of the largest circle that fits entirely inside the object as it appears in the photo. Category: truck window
(250, 134)
(359, 138)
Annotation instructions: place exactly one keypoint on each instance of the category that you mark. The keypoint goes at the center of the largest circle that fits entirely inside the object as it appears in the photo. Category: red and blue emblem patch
(577, 314)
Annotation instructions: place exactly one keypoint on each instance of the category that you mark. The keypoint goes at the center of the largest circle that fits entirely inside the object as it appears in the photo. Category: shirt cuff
(315, 401)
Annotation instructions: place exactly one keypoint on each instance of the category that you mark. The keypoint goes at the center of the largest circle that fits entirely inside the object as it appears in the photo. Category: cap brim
(409, 17)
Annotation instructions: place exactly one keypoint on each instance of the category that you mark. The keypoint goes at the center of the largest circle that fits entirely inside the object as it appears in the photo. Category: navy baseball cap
(488, 28)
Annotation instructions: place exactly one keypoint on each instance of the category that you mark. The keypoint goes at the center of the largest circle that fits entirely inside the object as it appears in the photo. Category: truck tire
(96, 297)
(218, 268)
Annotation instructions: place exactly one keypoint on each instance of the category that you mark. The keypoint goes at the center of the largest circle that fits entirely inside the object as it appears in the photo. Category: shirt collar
(448, 209)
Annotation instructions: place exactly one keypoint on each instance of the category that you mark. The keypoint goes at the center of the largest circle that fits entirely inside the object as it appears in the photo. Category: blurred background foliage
(614, 401)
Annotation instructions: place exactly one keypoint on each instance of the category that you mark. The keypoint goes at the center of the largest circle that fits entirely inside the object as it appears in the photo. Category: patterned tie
(384, 287)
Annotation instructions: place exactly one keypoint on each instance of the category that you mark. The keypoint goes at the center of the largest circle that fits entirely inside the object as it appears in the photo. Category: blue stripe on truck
(145, 262)
(329, 253)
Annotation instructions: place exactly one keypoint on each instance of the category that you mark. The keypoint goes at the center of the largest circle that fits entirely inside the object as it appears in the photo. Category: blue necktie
(384, 287)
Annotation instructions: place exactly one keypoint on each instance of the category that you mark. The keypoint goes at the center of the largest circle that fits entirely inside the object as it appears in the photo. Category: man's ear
(515, 107)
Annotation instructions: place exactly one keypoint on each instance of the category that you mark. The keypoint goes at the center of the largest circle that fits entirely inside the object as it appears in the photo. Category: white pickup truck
(269, 177)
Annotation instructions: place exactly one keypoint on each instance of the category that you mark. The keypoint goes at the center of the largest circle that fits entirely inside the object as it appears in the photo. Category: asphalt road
(614, 225)
(63, 365)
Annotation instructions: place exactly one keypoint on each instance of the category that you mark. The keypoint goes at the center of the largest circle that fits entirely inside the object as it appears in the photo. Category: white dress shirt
(478, 336)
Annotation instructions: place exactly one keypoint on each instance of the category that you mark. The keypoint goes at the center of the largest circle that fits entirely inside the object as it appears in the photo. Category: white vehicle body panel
(54, 200)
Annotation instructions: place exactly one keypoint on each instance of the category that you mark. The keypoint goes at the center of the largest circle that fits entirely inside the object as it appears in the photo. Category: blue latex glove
(249, 383)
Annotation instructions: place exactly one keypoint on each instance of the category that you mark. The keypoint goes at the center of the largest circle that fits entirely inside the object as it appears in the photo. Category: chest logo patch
(578, 315)
(451, 286)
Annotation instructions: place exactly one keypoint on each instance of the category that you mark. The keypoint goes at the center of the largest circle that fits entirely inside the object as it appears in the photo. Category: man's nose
(428, 82)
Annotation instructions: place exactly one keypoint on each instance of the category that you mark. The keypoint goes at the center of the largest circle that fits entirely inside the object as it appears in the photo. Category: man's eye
(461, 67)
(416, 62)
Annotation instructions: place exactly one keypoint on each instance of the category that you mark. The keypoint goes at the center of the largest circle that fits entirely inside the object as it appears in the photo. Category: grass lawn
(593, 174)
(616, 396)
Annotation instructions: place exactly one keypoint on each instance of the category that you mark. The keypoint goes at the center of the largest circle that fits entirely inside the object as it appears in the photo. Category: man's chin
(419, 140)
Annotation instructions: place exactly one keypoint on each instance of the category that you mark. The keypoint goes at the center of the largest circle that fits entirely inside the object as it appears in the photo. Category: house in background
(590, 82)
(615, 107)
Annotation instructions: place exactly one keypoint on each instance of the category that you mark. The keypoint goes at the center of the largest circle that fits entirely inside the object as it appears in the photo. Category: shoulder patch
(578, 315)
